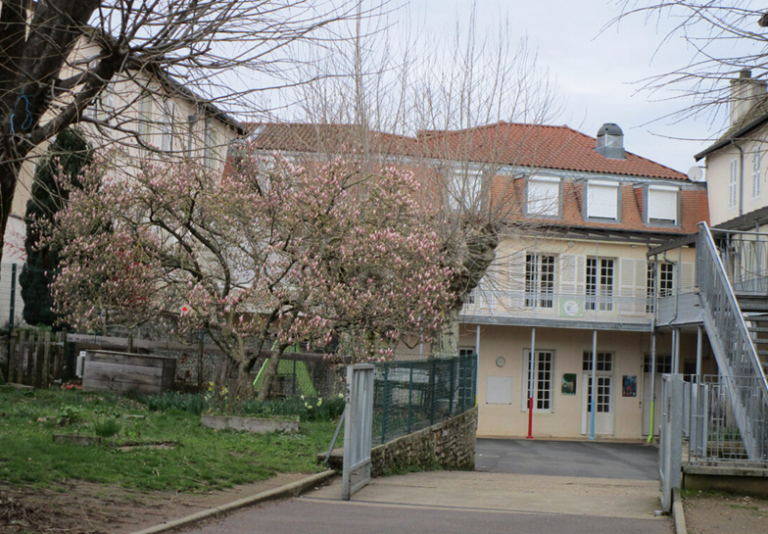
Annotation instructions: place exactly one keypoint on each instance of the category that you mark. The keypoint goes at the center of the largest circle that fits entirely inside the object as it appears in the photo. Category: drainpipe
(741, 177)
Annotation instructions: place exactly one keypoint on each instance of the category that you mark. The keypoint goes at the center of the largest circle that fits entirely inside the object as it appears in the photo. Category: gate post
(671, 439)
(358, 429)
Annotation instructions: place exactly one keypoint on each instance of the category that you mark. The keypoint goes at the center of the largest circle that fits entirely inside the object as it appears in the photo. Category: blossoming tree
(271, 254)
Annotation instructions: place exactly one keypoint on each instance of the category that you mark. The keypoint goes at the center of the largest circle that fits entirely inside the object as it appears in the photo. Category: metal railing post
(433, 393)
(410, 399)
(385, 404)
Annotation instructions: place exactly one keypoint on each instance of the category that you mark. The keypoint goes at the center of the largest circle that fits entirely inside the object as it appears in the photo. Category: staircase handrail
(708, 241)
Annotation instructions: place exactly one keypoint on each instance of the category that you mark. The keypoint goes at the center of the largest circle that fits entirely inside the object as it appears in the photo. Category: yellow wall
(511, 342)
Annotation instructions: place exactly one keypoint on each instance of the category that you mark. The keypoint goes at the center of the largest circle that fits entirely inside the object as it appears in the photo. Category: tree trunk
(446, 343)
(271, 371)
(9, 171)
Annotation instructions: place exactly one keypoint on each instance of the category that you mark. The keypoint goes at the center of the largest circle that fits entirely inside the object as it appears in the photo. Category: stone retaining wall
(449, 444)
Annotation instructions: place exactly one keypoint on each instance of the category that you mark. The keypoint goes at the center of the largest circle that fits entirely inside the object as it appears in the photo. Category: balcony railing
(745, 259)
(561, 306)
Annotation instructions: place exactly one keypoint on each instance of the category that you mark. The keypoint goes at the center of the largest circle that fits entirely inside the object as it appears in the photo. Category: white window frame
(602, 297)
(756, 174)
(733, 184)
(463, 189)
(655, 206)
(548, 189)
(598, 192)
(540, 280)
(537, 379)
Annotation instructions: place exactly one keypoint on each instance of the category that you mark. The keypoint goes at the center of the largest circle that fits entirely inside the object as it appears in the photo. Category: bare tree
(58, 57)
(465, 114)
(726, 37)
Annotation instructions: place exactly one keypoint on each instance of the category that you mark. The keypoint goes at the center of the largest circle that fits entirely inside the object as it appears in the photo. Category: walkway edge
(293, 489)
(677, 512)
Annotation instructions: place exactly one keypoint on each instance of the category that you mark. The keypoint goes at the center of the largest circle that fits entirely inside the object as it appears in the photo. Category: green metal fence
(412, 395)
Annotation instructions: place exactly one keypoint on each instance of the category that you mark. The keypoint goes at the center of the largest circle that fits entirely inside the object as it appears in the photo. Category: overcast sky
(598, 74)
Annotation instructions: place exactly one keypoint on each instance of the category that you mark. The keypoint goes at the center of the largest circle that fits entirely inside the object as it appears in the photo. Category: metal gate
(671, 439)
(358, 427)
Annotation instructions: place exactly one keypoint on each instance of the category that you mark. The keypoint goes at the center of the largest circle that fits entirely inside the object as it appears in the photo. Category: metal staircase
(736, 323)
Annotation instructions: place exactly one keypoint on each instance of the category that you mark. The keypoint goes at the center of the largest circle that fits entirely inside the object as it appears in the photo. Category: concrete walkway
(444, 502)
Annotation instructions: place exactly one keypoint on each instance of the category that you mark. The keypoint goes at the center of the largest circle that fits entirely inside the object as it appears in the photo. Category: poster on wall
(568, 386)
(629, 386)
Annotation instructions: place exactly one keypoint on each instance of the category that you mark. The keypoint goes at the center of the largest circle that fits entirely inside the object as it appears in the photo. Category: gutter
(735, 135)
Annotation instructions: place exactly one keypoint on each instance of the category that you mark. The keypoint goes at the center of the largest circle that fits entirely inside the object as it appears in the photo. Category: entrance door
(603, 404)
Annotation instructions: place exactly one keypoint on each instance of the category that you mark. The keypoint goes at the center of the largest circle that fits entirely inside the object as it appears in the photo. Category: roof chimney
(610, 141)
(746, 92)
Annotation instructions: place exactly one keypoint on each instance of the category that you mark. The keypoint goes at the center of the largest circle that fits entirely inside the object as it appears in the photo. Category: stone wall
(449, 444)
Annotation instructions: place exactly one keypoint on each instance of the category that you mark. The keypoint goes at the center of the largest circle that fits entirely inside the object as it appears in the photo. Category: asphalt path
(612, 489)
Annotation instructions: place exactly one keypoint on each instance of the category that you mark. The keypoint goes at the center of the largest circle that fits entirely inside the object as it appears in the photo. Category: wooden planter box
(119, 372)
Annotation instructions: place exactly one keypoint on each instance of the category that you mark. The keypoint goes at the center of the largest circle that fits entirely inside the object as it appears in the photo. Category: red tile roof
(528, 145)
(549, 147)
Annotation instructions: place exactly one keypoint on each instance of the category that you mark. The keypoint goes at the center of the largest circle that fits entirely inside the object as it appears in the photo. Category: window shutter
(603, 200)
(544, 196)
(517, 279)
(686, 276)
(571, 273)
(662, 203)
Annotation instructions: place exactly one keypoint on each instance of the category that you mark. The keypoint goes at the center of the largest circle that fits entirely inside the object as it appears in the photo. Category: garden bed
(127, 460)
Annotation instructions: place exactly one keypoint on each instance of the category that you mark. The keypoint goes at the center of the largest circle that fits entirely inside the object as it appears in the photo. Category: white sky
(598, 75)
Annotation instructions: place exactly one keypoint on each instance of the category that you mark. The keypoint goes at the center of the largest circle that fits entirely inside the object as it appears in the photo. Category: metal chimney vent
(610, 141)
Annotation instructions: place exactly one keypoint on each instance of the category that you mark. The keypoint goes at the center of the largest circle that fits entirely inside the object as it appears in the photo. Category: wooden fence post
(23, 358)
(13, 360)
(39, 362)
(47, 359)
(57, 355)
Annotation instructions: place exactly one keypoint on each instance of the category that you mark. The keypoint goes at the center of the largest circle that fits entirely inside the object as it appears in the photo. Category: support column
(653, 386)
(531, 360)
(699, 349)
(594, 386)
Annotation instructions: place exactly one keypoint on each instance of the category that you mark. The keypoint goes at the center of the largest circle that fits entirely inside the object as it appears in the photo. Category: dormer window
(543, 196)
(602, 200)
(662, 205)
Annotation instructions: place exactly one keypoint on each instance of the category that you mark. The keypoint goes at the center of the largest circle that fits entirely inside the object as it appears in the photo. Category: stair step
(762, 353)
(758, 329)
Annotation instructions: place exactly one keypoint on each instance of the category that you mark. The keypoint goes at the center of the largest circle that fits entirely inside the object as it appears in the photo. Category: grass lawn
(203, 460)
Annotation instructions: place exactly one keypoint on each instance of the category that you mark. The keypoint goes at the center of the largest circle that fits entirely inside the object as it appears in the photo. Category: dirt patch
(725, 514)
(86, 508)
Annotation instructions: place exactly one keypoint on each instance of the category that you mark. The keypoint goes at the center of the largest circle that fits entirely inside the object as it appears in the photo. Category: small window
(464, 189)
(543, 196)
(602, 200)
(733, 191)
(211, 143)
(756, 175)
(145, 116)
(663, 364)
(543, 377)
(662, 204)
(604, 362)
(166, 127)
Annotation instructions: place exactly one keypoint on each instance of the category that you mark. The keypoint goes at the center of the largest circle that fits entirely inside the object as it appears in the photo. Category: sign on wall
(629, 386)
(570, 307)
(568, 386)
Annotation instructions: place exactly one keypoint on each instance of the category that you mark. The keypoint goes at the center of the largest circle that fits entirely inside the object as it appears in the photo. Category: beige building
(138, 115)
(583, 280)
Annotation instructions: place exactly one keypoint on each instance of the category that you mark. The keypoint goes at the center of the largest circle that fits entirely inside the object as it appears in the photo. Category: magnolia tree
(270, 255)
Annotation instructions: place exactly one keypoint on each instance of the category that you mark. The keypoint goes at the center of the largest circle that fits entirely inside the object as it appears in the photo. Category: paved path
(460, 502)
(568, 458)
